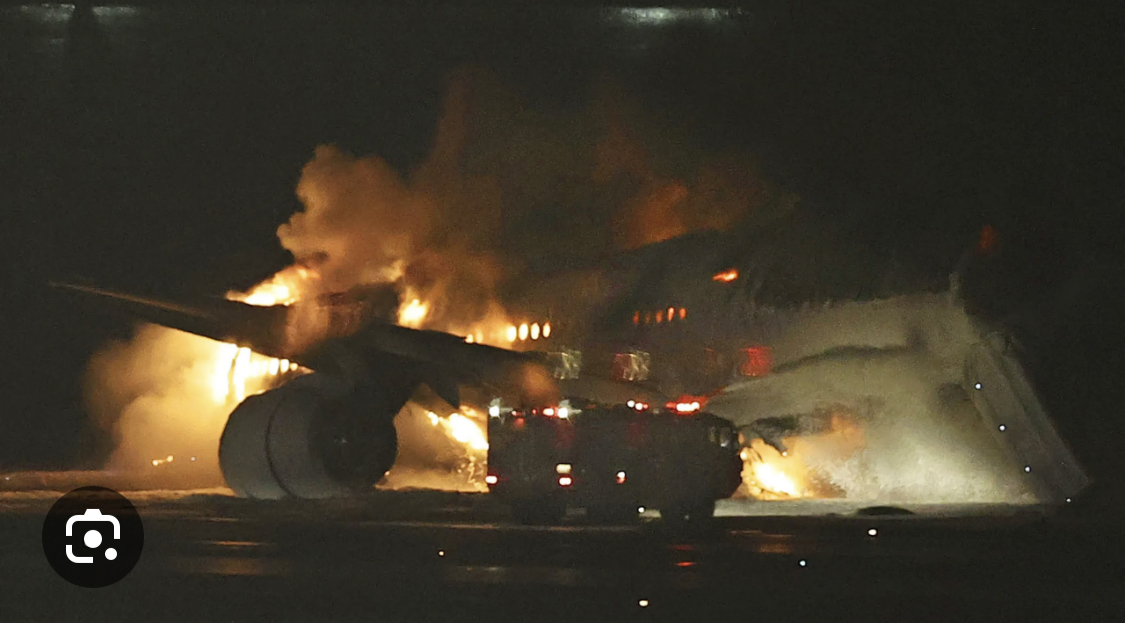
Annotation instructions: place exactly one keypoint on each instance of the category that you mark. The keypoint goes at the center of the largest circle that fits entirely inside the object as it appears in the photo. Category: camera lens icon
(92, 538)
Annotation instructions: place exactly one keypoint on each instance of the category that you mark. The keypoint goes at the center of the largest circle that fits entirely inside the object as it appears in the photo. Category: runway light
(563, 413)
(535, 331)
(1002, 428)
(565, 481)
(1027, 468)
(193, 458)
(642, 603)
(803, 563)
(977, 386)
(441, 552)
(491, 479)
(1068, 500)
(546, 330)
(640, 509)
(621, 477)
(872, 532)
(630, 403)
(512, 333)
(549, 411)
(523, 331)
(562, 468)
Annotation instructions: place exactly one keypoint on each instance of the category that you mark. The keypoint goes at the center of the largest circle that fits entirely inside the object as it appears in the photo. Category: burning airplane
(849, 374)
(871, 389)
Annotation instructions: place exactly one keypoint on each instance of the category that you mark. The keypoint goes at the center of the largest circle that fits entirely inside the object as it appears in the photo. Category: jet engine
(314, 437)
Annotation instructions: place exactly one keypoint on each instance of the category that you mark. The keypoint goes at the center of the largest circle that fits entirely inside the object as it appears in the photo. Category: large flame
(796, 472)
(447, 452)
(413, 313)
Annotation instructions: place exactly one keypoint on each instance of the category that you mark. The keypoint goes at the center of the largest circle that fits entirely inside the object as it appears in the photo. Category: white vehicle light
(562, 468)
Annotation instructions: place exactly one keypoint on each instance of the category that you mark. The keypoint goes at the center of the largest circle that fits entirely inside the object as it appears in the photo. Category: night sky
(158, 149)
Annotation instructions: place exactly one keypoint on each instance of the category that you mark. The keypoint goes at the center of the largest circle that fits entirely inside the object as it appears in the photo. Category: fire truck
(612, 460)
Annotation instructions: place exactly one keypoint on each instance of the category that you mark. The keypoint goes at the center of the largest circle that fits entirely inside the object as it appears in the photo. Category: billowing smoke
(669, 191)
(155, 393)
(507, 190)
(507, 187)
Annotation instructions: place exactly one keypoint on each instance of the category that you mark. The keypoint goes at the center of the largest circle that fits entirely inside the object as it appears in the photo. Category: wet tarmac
(434, 556)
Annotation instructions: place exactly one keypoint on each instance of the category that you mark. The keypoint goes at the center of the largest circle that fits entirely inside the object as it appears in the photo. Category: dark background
(156, 148)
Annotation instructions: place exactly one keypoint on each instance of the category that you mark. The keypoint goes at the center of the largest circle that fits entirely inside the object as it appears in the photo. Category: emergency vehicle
(612, 460)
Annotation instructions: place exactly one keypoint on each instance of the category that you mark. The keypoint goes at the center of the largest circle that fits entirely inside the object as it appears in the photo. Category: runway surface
(434, 556)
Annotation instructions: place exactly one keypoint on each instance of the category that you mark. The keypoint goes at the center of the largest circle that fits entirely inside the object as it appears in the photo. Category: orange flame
(725, 276)
(771, 475)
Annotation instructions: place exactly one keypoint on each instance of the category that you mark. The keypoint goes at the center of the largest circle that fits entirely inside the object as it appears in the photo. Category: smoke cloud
(507, 190)
(154, 393)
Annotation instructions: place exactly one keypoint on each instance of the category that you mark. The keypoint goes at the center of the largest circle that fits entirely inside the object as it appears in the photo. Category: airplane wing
(441, 360)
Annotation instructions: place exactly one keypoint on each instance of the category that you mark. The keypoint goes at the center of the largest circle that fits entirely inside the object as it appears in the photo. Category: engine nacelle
(315, 437)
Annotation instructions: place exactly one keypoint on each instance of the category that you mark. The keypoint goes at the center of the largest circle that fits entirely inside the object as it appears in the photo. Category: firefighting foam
(878, 409)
